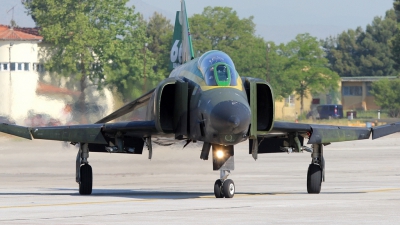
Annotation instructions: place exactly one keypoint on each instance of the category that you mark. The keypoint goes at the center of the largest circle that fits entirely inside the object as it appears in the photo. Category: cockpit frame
(217, 69)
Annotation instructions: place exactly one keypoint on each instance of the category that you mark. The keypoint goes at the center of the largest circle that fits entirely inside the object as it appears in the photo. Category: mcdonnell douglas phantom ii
(203, 100)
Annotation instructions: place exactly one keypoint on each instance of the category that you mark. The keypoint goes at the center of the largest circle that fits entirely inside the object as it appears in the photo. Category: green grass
(372, 114)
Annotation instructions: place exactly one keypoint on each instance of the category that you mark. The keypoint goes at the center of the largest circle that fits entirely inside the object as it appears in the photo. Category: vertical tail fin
(182, 49)
(187, 51)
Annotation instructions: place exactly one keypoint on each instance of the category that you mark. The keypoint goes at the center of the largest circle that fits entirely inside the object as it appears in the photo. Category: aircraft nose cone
(229, 117)
(235, 121)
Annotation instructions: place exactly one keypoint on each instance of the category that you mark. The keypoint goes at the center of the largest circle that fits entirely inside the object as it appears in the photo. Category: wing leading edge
(90, 133)
(323, 134)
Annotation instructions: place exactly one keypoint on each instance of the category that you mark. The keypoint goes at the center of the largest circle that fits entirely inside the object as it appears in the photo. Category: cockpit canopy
(218, 69)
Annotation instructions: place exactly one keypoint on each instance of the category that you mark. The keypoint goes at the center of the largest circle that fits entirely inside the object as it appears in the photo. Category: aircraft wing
(323, 134)
(139, 102)
(90, 133)
(98, 133)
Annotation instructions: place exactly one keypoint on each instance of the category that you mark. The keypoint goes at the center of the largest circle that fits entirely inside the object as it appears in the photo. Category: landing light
(220, 154)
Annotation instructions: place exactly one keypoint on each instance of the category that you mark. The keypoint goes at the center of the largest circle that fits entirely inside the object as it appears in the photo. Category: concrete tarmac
(37, 186)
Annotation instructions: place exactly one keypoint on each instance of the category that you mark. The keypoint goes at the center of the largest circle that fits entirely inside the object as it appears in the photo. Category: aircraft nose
(230, 117)
(234, 120)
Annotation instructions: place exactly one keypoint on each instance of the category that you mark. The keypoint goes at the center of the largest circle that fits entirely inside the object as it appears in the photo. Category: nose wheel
(225, 189)
(218, 189)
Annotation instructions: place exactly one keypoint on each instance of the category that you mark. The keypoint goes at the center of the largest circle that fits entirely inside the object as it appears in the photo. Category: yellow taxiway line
(152, 200)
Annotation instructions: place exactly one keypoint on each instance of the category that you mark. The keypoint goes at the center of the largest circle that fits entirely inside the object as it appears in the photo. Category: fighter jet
(203, 100)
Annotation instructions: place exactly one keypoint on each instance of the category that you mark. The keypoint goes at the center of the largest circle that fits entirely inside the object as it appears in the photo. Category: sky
(276, 20)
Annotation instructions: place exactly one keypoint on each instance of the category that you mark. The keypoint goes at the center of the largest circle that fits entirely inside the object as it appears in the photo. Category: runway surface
(37, 186)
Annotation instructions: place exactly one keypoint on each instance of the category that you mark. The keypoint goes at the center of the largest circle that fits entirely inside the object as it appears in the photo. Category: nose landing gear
(218, 189)
(224, 187)
(228, 188)
(223, 160)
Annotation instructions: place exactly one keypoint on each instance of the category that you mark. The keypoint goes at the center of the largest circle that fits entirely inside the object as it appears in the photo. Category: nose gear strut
(223, 160)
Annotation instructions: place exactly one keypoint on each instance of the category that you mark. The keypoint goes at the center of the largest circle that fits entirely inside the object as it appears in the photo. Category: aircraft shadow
(127, 193)
(150, 194)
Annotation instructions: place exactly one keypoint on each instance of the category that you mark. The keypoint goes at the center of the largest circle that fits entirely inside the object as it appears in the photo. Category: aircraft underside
(222, 161)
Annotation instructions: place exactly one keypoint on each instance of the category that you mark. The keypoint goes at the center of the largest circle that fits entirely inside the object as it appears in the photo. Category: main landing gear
(316, 170)
(84, 174)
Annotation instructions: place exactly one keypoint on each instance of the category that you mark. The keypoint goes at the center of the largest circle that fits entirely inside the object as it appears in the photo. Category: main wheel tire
(85, 186)
(228, 188)
(217, 189)
(314, 179)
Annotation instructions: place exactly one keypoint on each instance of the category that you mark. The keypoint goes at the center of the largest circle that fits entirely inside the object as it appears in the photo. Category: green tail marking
(176, 49)
(182, 49)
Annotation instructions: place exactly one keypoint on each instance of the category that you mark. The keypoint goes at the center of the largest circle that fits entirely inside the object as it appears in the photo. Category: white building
(20, 89)
(18, 79)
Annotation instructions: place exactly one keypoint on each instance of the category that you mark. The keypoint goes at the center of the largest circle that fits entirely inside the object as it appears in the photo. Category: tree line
(104, 42)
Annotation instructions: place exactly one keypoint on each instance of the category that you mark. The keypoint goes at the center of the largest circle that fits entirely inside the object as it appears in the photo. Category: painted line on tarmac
(152, 200)
(383, 190)
(76, 203)
(290, 193)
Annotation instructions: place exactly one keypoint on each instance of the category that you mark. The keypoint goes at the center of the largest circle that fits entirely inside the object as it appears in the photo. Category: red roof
(18, 34)
(29, 30)
(2, 27)
(47, 89)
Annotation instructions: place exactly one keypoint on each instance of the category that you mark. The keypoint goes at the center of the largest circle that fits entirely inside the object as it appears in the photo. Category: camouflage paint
(328, 134)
